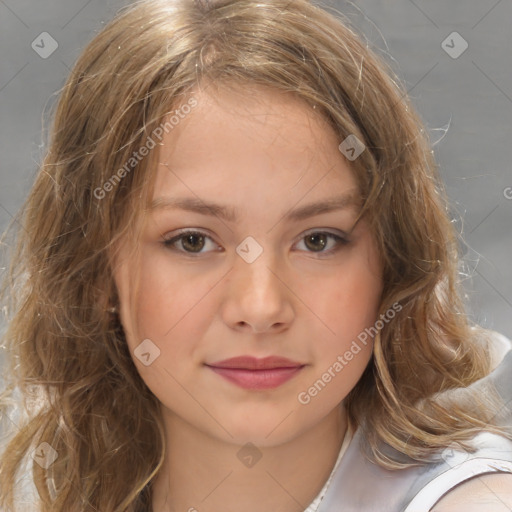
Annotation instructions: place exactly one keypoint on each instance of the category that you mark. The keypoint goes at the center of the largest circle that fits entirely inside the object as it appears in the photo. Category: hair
(80, 389)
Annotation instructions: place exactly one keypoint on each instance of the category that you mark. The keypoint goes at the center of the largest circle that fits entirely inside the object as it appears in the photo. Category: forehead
(262, 140)
(270, 115)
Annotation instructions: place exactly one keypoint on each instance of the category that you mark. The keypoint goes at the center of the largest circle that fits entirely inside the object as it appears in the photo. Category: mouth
(257, 379)
(257, 374)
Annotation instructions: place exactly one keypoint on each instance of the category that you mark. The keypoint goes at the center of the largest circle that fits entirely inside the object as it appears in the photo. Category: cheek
(344, 352)
(170, 308)
(153, 310)
(162, 298)
(351, 297)
(349, 303)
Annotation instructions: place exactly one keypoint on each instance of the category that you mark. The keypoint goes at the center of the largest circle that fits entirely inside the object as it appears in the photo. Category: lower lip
(257, 379)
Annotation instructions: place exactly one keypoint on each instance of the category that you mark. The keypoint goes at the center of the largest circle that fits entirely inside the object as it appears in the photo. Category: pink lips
(253, 373)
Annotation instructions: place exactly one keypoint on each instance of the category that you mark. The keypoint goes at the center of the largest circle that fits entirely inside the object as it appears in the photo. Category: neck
(206, 474)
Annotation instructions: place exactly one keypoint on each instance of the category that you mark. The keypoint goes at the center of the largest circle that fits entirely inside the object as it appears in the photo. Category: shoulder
(485, 493)
(480, 481)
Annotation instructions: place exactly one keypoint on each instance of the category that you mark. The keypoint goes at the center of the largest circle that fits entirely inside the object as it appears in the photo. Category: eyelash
(341, 240)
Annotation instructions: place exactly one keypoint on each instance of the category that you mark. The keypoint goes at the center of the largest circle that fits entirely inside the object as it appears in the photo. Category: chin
(263, 432)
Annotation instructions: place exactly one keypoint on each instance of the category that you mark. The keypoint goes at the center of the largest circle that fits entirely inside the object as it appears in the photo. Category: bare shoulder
(486, 493)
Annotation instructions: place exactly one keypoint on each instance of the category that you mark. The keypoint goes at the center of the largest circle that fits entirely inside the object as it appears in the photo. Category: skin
(263, 153)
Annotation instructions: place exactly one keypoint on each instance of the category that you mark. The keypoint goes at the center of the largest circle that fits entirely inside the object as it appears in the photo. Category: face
(240, 255)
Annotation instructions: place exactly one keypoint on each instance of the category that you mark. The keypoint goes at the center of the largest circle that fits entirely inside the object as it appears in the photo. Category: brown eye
(192, 243)
(317, 241)
(189, 242)
(323, 242)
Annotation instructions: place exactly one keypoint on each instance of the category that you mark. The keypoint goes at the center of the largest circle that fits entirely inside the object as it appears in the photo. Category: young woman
(235, 286)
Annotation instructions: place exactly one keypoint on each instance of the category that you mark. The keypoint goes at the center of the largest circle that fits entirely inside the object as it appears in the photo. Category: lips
(254, 363)
(257, 374)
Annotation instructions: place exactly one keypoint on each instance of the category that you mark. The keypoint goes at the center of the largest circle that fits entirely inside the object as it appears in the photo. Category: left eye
(317, 241)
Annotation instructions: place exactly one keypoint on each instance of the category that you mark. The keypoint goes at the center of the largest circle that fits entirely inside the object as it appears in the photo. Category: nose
(256, 297)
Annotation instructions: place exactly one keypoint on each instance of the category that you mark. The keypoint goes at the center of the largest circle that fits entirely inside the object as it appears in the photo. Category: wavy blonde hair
(69, 359)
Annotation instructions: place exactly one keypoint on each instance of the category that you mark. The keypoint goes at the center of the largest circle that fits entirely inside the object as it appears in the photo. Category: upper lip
(254, 363)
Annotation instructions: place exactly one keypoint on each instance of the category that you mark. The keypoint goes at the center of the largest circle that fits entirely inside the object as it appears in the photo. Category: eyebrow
(230, 214)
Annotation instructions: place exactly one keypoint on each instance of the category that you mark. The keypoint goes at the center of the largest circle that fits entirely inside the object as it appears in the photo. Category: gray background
(465, 101)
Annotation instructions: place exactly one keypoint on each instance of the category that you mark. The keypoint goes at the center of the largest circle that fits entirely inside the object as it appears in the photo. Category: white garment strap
(442, 484)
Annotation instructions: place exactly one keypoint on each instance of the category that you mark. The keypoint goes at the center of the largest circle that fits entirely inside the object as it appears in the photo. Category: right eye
(189, 242)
